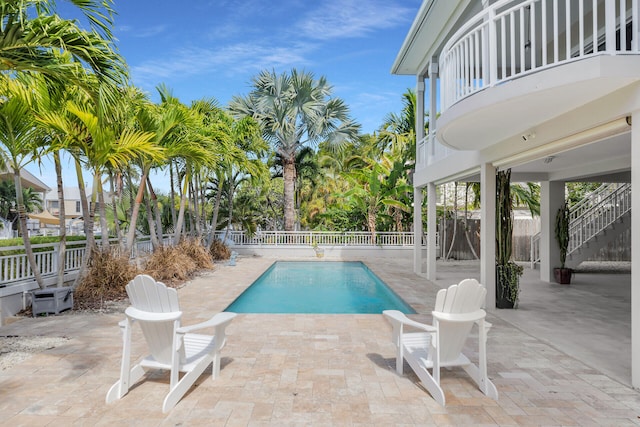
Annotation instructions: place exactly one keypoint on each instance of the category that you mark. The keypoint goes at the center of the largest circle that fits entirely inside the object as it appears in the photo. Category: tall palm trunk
(214, 217)
(62, 247)
(104, 228)
(116, 194)
(86, 217)
(155, 205)
(22, 218)
(372, 214)
(455, 219)
(289, 177)
(152, 226)
(183, 205)
(88, 225)
(232, 190)
(131, 234)
(172, 194)
(194, 192)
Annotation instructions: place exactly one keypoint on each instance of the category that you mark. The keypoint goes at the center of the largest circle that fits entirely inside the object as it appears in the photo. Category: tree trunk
(183, 204)
(151, 223)
(22, 221)
(172, 196)
(231, 191)
(104, 228)
(214, 219)
(371, 223)
(156, 208)
(196, 206)
(84, 203)
(289, 177)
(62, 247)
(116, 193)
(88, 225)
(466, 221)
(131, 234)
(455, 218)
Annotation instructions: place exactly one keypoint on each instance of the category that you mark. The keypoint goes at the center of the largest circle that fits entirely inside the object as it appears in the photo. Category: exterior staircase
(595, 221)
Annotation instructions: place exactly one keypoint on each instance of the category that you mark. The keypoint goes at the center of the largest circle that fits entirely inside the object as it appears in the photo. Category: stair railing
(594, 213)
(599, 216)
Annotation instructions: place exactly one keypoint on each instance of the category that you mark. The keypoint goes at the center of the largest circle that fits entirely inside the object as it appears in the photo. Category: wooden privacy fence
(523, 230)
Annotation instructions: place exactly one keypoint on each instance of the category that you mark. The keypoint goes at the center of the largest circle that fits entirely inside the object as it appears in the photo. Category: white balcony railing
(429, 151)
(512, 38)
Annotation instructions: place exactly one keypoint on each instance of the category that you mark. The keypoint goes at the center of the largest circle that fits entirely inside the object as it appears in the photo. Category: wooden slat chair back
(456, 310)
(171, 346)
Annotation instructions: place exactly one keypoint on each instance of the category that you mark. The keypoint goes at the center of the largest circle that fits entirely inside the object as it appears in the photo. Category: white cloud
(353, 18)
(231, 59)
(142, 32)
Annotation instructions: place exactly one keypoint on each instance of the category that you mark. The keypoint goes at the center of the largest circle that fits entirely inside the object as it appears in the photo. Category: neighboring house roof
(27, 179)
(72, 194)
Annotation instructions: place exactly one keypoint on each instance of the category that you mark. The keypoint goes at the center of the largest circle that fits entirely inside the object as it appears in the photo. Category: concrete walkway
(280, 370)
(589, 319)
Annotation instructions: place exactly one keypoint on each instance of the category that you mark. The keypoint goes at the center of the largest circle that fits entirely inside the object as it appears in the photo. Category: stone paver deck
(281, 370)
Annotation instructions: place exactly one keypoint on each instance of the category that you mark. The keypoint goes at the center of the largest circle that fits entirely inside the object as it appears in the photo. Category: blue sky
(212, 48)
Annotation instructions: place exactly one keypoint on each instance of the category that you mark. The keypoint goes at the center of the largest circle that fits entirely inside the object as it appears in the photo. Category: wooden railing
(512, 38)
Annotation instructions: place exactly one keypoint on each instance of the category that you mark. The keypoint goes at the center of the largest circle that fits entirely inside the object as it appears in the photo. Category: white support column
(431, 231)
(433, 108)
(417, 230)
(417, 192)
(551, 199)
(488, 232)
(635, 249)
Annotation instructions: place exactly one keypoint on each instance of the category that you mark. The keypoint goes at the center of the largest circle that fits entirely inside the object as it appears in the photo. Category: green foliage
(577, 191)
(36, 240)
(504, 217)
(507, 272)
(508, 281)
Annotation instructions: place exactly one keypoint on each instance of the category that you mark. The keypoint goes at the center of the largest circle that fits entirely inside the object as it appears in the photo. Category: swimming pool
(330, 287)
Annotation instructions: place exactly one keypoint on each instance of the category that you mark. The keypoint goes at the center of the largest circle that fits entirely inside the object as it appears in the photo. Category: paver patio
(303, 370)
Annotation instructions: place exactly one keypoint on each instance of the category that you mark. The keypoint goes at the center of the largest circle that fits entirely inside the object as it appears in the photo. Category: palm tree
(33, 37)
(20, 140)
(234, 147)
(295, 110)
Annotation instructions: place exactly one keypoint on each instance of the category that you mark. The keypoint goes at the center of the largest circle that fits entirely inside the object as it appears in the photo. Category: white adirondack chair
(172, 347)
(440, 345)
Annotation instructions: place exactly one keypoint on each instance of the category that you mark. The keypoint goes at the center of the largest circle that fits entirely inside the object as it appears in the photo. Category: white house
(547, 88)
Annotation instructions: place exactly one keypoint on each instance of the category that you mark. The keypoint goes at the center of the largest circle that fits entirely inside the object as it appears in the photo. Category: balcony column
(433, 105)
(417, 230)
(488, 232)
(551, 199)
(431, 231)
(635, 250)
(417, 191)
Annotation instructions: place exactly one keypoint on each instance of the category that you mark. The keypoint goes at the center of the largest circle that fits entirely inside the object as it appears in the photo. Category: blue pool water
(318, 287)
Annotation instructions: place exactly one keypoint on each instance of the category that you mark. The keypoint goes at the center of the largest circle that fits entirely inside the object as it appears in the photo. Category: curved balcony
(511, 39)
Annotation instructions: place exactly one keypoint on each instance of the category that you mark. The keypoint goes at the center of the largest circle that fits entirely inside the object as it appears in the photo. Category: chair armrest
(148, 316)
(396, 316)
(220, 319)
(460, 317)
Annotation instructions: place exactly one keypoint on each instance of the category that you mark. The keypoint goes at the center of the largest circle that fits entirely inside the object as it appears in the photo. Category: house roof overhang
(428, 33)
(26, 178)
